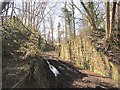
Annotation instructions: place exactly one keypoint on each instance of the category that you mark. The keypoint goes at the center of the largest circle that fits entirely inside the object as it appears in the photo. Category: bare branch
(81, 12)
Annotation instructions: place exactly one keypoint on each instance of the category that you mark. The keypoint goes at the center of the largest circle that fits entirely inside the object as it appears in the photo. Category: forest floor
(70, 76)
(79, 77)
(13, 71)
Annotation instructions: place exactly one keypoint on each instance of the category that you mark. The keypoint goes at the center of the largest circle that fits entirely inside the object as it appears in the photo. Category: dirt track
(69, 77)
(73, 77)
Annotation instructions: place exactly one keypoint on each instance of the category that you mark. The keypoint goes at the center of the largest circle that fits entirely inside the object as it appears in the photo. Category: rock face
(87, 56)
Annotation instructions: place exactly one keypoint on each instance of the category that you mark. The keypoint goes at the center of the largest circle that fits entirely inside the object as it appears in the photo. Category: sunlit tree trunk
(91, 8)
(31, 8)
(11, 10)
(34, 17)
(91, 16)
(28, 14)
(22, 16)
(51, 26)
(112, 19)
(73, 19)
(118, 21)
(25, 12)
(118, 16)
(71, 34)
(65, 22)
(107, 19)
(59, 39)
(44, 29)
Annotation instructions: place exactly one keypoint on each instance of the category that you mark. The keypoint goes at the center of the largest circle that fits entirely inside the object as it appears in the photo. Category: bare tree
(3, 6)
(32, 13)
(51, 24)
(112, 19)
(107, 19)
(66, 31)
(118, 15)
(110, 25)
(59, 36)
(73, 18)
(90, 15)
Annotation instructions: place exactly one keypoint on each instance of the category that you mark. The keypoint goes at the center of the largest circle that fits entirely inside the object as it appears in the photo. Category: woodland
(60, 44)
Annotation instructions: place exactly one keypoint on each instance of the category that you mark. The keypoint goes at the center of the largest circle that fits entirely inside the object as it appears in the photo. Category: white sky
(63, 0)
(57, 10)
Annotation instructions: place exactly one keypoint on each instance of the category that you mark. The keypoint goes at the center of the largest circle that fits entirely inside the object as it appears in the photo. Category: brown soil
(13, 71)
(69, 77)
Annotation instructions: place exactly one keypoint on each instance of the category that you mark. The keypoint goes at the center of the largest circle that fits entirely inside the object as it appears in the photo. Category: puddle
(53, 69)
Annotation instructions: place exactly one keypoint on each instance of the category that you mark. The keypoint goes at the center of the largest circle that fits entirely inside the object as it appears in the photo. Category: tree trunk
(31, 18)
(34, 17)
(25, 12)
(59, 39)
(91, 17)
(119, 16)
(51, 27)
(107, 19)
(91, 8)
(44, 29)
(73, 19)
(112, 19)
(22, 16)
(28, 14)
(65, 23)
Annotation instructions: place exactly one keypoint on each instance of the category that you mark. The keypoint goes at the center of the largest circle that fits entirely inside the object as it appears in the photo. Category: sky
(56, 10)
(64, 0)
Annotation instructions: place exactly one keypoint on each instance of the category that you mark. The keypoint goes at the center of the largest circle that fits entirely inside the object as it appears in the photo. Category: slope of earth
(70, 76)
(75, 77)
(83, 78)
(13, 71)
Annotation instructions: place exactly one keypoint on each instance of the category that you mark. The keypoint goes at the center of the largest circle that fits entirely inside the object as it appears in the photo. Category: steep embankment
(88, 52)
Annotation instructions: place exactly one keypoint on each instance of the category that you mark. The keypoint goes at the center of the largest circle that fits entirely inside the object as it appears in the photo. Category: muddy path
(64, 75)
(51, 72)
